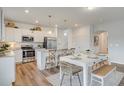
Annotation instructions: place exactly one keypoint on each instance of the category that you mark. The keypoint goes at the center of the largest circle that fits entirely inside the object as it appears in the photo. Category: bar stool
(69, 70)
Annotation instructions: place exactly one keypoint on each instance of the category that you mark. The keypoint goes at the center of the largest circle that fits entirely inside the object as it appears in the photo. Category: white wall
(115, 38)
(81, 38)
(64, 41)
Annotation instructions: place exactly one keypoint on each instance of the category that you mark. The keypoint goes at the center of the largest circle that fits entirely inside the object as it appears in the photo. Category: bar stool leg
(62, 79)
(79, 78)
(102, 83)
(71, 80)
(91, 81)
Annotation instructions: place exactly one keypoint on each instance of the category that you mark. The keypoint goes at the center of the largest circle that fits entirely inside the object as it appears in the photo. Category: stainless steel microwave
(27, 39)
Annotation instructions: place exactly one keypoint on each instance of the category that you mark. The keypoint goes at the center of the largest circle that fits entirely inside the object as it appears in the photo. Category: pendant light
(65, 21)
(50, 26)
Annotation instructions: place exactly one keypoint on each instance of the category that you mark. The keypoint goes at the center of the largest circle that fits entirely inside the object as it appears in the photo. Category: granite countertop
(8, 54)
(16, 49)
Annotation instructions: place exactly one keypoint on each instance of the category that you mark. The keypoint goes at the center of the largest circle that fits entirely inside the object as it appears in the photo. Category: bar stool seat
(70, 70)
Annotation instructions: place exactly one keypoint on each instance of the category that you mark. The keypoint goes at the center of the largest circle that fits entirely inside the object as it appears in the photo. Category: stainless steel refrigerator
(50, 43)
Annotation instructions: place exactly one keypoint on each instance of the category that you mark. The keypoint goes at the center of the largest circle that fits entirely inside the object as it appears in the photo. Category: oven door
(28, 55)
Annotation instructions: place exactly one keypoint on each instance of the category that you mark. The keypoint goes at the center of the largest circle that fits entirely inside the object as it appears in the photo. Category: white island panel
(7, 70)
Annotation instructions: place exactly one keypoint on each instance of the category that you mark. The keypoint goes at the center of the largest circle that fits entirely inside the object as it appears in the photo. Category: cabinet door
(18, 35)
(24, 32)
(38, 37)
(10, 34)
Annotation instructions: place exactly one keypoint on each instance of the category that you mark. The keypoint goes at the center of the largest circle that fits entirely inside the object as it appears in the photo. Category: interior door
(101, 42)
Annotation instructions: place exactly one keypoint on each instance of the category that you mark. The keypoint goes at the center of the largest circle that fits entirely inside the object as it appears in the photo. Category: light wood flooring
(28, 75)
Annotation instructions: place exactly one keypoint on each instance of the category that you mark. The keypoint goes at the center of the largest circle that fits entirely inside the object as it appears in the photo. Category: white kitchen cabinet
(26, 32)
(38, 36)
(7, 70)
(10, 34)
(15, 35)
(18, 35)
(18, 55)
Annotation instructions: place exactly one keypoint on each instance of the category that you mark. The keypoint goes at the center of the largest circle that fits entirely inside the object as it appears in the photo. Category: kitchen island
(40, 57)
(7, 69)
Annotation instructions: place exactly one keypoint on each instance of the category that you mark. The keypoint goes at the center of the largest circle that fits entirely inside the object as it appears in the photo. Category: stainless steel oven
(28, 54)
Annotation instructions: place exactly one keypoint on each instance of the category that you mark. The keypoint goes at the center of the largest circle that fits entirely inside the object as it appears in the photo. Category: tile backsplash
(15, 45)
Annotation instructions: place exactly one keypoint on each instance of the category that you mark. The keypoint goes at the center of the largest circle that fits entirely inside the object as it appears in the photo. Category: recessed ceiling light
(26, 11)
(36, 21)
(75, 25)
(90, 8)
(50, 32)
(65, 34)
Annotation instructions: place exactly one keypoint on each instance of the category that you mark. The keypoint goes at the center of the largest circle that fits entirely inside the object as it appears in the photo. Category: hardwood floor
(28, 75)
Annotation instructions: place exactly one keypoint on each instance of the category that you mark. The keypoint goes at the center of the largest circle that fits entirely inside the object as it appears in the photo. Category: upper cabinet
(15, 34)
(10, 34)
(26, 32)
(18, 35)
(38, 36)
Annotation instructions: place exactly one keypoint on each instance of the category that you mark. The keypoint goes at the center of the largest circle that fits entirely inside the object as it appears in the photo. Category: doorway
(101, 42)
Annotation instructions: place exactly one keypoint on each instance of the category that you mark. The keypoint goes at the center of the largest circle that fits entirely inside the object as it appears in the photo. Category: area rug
(112, 80)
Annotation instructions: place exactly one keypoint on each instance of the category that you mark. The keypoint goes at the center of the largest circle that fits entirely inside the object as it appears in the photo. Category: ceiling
(73, 15)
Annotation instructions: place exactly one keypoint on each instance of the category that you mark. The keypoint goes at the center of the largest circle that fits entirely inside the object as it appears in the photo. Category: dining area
(83, 63)
(84, 68)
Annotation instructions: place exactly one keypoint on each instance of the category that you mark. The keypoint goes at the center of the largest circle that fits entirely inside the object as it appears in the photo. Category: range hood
(2, 32)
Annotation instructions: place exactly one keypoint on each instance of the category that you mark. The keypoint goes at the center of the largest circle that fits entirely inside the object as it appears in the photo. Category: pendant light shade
(50, 26)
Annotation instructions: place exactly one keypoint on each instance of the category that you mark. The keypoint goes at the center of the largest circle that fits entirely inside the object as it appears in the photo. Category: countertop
(8, 54)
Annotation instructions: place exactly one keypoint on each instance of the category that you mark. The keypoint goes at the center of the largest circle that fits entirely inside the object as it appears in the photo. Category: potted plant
(4, 48)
